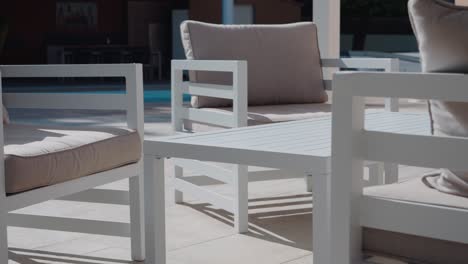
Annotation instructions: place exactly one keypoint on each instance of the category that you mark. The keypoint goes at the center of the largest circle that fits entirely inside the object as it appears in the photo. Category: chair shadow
(281, 219)
(29, 256)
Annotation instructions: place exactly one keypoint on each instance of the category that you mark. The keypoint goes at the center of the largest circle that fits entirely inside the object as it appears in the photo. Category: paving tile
(309, 259)
(77, 246)
(187, 226)
(33, 238)
(237, 249)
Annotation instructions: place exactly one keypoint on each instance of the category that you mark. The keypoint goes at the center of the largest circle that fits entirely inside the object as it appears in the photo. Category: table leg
(155, 210)
(321, 217)
(178, 195)
(3, 235)
(241, 198)
(376, 174)
(309, 182)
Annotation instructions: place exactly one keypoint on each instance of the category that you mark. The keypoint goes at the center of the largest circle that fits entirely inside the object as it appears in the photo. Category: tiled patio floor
(280, 218)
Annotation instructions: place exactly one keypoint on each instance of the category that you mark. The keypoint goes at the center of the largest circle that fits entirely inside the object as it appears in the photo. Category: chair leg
(3, 237)
(178, 195)
(376, 174)
(391, 173)
(241, 199)
(155, 215)
(137, 221)
(309, 182)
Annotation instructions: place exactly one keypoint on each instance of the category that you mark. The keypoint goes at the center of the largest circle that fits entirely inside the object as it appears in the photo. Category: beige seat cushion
(407, 246)
(416, 191)
(284, 64)
(259, 115)
(441, 31)
(38, 156)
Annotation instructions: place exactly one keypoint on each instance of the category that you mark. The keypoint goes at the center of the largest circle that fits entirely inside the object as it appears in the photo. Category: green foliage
(374, 8)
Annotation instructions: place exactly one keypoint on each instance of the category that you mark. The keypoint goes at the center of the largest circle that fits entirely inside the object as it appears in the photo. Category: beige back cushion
(442, 32)
(283, 61)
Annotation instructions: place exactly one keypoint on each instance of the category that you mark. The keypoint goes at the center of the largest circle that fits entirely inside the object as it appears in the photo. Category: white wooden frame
(237, 92)
(132, 103)
(349, 208)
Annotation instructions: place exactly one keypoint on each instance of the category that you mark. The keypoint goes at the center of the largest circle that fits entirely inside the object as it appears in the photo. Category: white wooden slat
(420, 150)
(324, 146)
(322, 143)
(75, 70)
(206, 169)
(259, 135)
(359, 63)
(261, 158)
(405, 85)
(255, 131)
(207, 65)
(415, 218)
(313, 125)
(290, 134)
(43, 194)
(65, 101)
(210, 90)
(323, 140)
(96, 227)
(290, 137)
(237, 130)
(216, 118)
(203, 194)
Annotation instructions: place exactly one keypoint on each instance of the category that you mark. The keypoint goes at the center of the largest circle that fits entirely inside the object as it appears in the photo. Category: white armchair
(424, 217)
(279, 78)
(58, 141)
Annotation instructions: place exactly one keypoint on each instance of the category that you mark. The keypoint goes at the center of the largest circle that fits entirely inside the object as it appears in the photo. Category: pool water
(161, 96)
(154, 93)
(151, 96)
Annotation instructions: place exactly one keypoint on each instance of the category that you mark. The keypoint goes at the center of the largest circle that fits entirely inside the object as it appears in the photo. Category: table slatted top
(268, 145)
(308, 137)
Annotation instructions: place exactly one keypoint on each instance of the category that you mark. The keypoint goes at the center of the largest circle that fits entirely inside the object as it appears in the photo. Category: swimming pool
(151, 96)
(152, 93)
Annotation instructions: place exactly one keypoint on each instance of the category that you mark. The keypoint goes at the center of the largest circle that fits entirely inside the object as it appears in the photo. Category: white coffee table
(298, 146)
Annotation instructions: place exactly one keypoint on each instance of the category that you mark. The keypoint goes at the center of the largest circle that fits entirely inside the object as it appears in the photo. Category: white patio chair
(408, 218)
(211, 49)
(42, 162)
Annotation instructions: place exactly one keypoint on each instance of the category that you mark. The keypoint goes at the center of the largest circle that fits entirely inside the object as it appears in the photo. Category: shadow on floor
(284, 219)
(28, 256)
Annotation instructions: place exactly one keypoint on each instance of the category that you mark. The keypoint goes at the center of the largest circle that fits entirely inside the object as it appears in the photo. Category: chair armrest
(384, 64)
(424, 86)
(237, 92)
(131, 102)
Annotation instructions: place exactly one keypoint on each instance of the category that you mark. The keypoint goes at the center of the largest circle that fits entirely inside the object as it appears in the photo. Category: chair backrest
(415, 150)
(284, 64)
